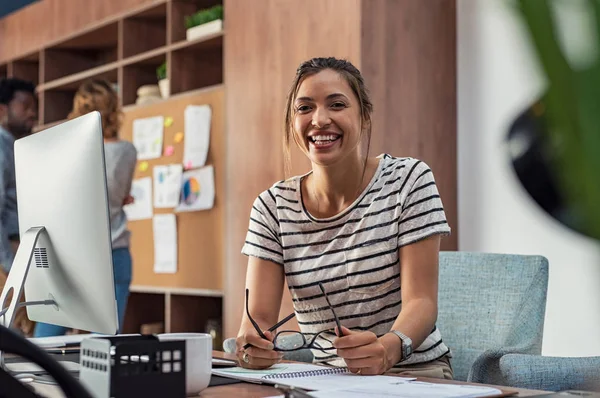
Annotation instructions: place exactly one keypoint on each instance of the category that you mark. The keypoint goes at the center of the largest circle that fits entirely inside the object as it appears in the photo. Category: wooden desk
(248, 390)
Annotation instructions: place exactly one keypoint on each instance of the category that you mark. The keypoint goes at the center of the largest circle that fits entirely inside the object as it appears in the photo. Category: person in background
(18, 115)
(120, 158)
(357, 231)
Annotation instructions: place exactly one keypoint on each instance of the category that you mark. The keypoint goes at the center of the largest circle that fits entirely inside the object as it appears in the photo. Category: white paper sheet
(197, 190)
(406, 389)
(167, 185)
(197, 135)
(141, 208)
(165, 243)
(148, 137)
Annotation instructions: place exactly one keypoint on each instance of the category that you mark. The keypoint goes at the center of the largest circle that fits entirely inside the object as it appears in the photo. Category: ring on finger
(246, 357)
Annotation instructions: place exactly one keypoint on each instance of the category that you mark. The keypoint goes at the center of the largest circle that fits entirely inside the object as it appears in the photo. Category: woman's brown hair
(98, 95)
(356, 83)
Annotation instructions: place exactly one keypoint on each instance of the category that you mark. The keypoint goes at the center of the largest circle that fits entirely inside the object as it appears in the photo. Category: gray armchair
(490, 305)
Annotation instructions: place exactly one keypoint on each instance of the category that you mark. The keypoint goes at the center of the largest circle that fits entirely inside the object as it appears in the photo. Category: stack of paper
(333, 383)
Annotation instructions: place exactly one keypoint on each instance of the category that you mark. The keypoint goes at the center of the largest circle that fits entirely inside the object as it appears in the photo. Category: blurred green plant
(572, 113)
(204, 16)
(161, 71)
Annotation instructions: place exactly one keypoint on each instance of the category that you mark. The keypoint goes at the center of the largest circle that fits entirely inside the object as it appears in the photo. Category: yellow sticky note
(168, 121)
(178, 137)
(143, 166)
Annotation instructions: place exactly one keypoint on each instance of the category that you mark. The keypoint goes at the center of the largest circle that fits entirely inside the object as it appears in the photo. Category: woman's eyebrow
(330, 96)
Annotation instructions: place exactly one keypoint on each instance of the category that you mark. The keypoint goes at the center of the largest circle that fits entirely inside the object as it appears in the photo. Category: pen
(63, 350)
(292, 392)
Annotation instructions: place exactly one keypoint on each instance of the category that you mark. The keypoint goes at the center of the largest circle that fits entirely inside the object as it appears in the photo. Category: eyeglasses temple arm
(261, 334)
(337, 321)
(281, 322)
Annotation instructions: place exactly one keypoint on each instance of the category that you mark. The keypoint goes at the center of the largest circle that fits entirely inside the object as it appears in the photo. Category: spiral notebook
(307, 376)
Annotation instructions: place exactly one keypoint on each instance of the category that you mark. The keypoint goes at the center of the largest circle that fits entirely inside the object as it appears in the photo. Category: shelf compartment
(145, 31)
(140, 73)
(193, 314)
(182, 8)
(3, 71)
(206, 54)
(86, 51)
(143, 308)
(58, 95)
(72, 82)
(26, 68)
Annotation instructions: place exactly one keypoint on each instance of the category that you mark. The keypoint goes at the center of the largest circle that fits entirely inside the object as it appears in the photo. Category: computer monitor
(65, 255)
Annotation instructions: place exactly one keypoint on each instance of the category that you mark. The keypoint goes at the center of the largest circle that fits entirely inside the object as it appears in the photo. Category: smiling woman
(365, 229)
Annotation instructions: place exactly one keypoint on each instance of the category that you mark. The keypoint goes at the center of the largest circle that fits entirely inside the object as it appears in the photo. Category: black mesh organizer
(133, 366)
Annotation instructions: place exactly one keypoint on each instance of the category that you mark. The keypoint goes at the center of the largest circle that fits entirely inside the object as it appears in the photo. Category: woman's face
(327, 118)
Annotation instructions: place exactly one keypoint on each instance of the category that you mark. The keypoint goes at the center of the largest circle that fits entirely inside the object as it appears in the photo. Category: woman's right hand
(260, 355)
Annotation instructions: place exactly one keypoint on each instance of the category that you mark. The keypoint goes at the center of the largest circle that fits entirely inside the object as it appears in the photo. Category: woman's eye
(338, 105)
(303, 108)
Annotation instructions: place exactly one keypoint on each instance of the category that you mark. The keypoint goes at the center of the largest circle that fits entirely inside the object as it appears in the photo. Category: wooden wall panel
(409, 63)
(49, 20)
(264, 44)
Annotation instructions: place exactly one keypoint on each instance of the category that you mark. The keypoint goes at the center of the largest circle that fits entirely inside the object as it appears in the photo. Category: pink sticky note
(188, 165)
(169, 150)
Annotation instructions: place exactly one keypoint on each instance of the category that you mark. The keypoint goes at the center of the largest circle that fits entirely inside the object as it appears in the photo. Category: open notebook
(339, 382)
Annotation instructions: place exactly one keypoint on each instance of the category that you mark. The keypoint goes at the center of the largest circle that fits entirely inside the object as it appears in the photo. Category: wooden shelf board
(104, 36)
(177, 96)
(31, 57)
(147, 58)
(176, 291)
(210, 41)
(72, 81)
(153, 11)
(142, 10)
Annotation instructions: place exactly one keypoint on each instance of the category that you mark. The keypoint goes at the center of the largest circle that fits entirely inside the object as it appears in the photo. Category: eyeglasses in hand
(294, 340)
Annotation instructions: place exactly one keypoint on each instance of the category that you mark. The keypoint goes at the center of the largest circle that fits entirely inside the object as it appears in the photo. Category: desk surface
(247, 390)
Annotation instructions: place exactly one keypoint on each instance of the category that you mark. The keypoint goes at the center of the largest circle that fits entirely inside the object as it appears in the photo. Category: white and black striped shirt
(354, 254)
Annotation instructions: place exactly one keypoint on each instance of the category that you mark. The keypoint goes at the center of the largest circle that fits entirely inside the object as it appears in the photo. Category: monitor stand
(18, 274)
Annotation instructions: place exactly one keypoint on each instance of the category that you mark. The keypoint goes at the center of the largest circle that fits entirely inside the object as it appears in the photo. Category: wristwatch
(407, 348)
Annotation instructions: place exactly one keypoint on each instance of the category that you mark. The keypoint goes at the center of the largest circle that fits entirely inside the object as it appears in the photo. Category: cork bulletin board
(200, 251)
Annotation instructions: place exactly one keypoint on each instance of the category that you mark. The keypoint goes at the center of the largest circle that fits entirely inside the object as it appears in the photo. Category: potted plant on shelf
(163, 82)
(204, 22)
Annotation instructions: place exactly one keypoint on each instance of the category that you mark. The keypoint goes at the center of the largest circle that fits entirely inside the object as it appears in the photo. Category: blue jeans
(122, 273)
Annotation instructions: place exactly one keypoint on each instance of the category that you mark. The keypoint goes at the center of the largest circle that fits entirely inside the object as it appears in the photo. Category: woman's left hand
(363, 352)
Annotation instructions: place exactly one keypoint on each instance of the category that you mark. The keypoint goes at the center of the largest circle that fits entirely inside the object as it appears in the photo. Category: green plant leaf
(203, 16)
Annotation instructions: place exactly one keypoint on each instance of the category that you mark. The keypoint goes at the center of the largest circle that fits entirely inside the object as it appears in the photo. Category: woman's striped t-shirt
(354, 254)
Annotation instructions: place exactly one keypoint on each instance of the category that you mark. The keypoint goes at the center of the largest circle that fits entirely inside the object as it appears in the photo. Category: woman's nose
(321, 118)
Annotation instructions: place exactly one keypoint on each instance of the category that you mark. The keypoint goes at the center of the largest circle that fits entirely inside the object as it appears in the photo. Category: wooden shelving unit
(126, 50)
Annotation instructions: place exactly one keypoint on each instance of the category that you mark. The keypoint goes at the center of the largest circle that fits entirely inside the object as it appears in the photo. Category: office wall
(28, 29)
(497, 77)
(407, 54)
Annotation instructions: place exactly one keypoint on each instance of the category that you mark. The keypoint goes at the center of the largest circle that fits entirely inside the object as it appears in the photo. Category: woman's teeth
(323, 139)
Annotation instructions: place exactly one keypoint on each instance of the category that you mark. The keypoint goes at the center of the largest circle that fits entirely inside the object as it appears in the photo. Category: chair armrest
(551, 373)
(486, 367)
